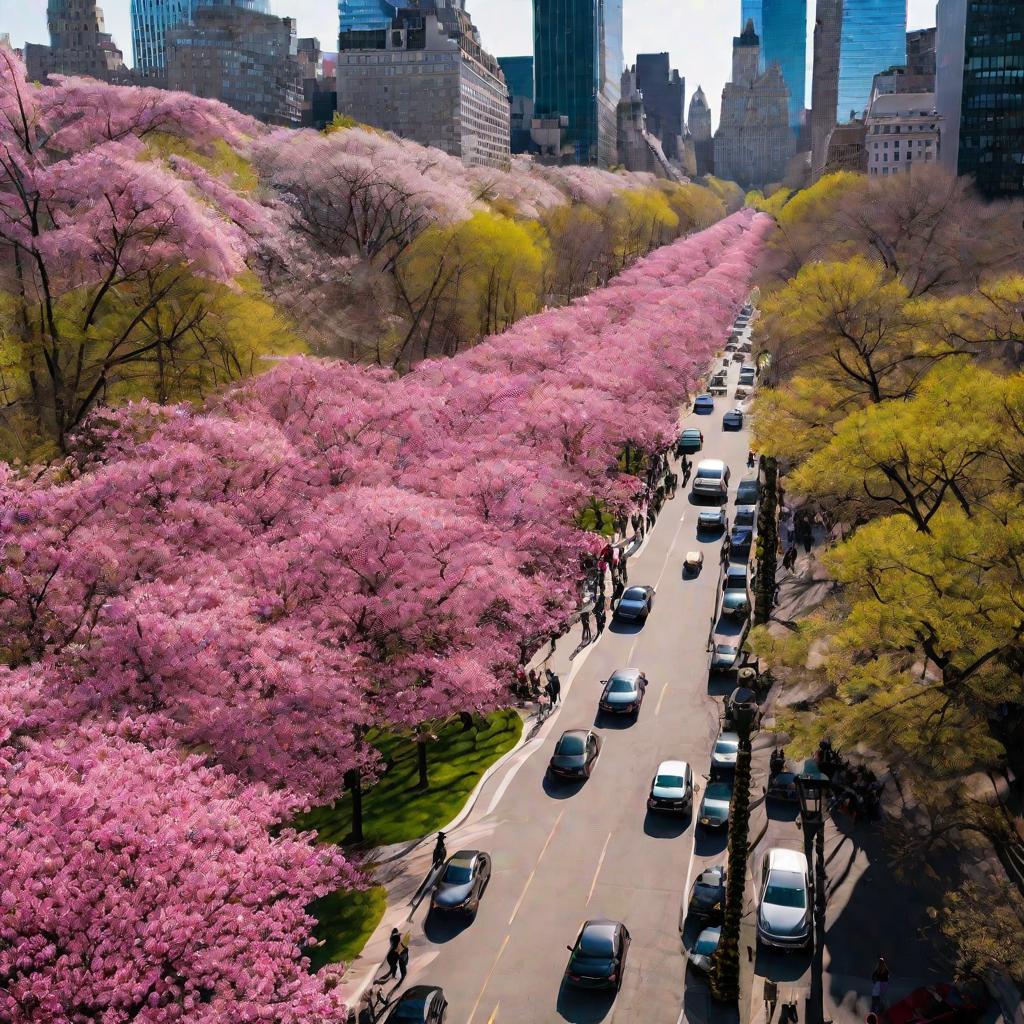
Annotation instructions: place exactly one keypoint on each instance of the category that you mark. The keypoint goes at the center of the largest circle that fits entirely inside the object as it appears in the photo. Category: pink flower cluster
(203, 609)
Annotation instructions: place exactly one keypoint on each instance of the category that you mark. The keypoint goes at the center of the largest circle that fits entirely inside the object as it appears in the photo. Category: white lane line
(657, 710)
(494, 1014)
(483, 988)
(522, 895)
(600, 861)
(668, 557)
(528, 749)
(632, 648)
(689, 867)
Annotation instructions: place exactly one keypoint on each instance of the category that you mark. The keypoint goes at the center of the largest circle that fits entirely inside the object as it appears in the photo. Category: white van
(711, 480)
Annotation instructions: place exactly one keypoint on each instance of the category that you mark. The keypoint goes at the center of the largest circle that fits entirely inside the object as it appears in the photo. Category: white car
(784, 906)
(723, 755)
(672, 788)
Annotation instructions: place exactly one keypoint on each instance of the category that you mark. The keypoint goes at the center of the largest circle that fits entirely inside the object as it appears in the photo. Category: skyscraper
(578, 65)
(921, 52)
(873, 38)
(152, 18)
(781, 26)
(663, 91)
(980, 54)
(79, 44)
(364, 15)
(518, 73)
(753, 143)
(698, 123)
(828, 23)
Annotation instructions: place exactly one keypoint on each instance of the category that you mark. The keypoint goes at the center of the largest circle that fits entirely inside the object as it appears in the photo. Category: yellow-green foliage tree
(640, 220)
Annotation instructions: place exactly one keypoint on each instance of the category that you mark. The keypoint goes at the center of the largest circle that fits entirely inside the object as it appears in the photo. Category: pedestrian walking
(554, 687)
(617, 589)
(750, 457)
(394, 944)
(726, 551)
(623, 571)
(789, 559)
(440, 851)
(585, 623)
(879, 984)
(599, 617)
(403, 956)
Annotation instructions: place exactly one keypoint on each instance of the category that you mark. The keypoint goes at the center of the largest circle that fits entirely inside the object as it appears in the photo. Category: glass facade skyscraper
(152, 18)
(518, 73)
(578, 64)
(873, 38)
(781, 26)
(365, 15)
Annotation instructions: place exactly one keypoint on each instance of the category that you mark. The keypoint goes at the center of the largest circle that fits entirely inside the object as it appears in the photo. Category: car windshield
(669, 781)
(620, 686)
(718, 791)
(785, 889)
(596, 943)
(634, 594)
(706, 945)
(570, 745)
(726, 746)
(411, 1010)
(706, 473)
(725, 651)
(458, 874)
(691, 435)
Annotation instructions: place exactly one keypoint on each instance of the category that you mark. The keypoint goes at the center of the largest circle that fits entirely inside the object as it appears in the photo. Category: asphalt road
(563, 853)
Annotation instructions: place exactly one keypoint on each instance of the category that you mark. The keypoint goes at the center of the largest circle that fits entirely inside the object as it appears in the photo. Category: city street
(564, 853)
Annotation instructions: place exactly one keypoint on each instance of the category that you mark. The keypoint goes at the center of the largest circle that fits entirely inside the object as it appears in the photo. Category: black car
(690, 440)
(462, 882)
(575, 754)
(707, 897)
(740, 540)
(598, 959)
(422, 1004)
(624, 692)
(635, 604)
(724, 658)
(748, 491)
(746, 515)
(733, 420)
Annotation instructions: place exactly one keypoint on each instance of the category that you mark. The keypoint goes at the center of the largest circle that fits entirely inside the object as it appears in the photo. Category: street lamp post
(813, 786)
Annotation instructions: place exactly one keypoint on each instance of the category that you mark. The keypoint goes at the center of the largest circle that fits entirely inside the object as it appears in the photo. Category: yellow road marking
(483, 987)
(522, 895)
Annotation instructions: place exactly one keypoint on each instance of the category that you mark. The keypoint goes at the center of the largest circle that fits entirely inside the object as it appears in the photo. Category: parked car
(736, 577)
(725, 752)
(745, 515)
(711, 480)
(747, 376)
(690, 440)
(733, 420)
(782, 786)
(704, 948)
(421, 1004)
(712, 519)
(598, 957)
(707, 895)
(623, 692)
(736, 604)
(635, 604)
(724, 658)
(740, 393)
(741, 540)
(941, 1003)
(672, 788)
(575, 754)
(748, 491)
(783, 910)
(462, 882)
(704, 404)
(714, 807)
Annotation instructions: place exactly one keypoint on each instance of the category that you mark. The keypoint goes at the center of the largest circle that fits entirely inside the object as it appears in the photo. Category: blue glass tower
(365, 15)
(781, 26)
(518, 73)
(152, 18)
(873, 38)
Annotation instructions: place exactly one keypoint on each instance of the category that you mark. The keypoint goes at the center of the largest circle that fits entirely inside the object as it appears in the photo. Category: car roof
(672, 768)
(582, 733)
(692, 430)
(729, 648)
(728, 734)
(711, 464)
(464, 858)
(781, 859)
(635, 586)
(630, 674)
(601, 925)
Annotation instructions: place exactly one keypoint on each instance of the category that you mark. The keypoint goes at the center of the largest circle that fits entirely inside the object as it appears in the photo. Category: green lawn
(346, 921)
(394, 810)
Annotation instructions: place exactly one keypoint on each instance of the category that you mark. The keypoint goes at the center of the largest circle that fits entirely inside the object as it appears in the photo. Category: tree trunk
(768, 542)
(421, 762)
(354, 783)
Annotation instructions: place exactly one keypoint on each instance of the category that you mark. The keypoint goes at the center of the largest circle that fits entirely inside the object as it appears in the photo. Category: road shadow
(781, 810)
(721, 685)
(666, 826)
(441, 928)
(562, 789)
(782, 965)
(608, 720)
(625, 628)
(710, 842)
(583, 1006)
(706, 500)
(697, 1005)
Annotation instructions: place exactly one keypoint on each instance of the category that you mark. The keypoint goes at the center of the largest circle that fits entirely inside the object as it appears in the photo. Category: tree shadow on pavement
(580, 1006)
(708, 843)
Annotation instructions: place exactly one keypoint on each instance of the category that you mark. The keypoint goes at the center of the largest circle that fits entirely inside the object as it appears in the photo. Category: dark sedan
(704, 949)
(707, 897)
(690, 440)
(714, 808)
(635, 604)
(462, 882)
(748, 491)
(746, 515)
(733, 420)
(575, 754)
(422, 1004)
(624, 692)
(740, 540)
(598, 959)
(704, 405)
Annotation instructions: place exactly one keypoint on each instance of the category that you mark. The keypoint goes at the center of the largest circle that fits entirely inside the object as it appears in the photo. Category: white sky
(697, 33)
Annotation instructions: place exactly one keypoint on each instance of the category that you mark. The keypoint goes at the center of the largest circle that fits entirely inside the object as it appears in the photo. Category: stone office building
(428, 79)
(754, 141)
(698, 124)
(79, 45)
